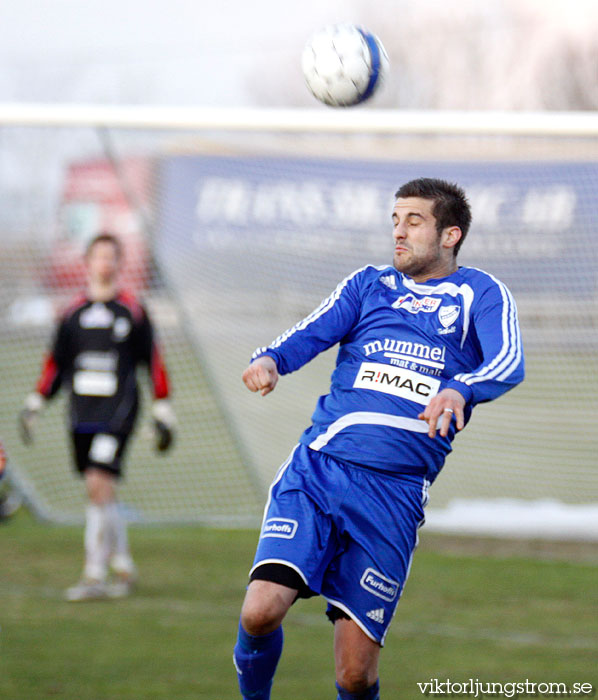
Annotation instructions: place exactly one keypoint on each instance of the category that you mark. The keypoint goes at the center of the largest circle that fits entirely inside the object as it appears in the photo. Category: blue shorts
(349, 532)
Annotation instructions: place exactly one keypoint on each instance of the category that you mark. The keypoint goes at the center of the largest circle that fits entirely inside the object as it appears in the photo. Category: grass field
(472, 609)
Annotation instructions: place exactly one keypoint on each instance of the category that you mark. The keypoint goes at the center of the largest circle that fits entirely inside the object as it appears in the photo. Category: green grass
(496, 618)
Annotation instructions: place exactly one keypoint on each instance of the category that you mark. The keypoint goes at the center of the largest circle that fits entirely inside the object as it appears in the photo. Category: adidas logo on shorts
(376, 615)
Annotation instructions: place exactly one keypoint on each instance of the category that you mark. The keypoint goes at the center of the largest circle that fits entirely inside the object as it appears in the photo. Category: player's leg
(92, 585)
(101, 479)
(363, 584)
(296, 544)
(98, 460)
(356, 662)
(260, 637)
(121, 562)
(100, 491)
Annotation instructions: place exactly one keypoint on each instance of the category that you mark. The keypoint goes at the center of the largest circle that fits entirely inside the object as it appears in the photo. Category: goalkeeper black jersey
(95, 354)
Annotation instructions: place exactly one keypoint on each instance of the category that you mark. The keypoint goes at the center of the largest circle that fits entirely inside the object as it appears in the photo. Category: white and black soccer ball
(344, 65)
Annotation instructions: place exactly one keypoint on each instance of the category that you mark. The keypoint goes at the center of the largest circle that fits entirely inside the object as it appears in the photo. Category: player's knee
(100, 486)
(353, 677)
(259, 618)
(265, 606)
(263, 611)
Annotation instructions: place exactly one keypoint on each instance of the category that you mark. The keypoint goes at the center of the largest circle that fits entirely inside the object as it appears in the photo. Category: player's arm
(48, 384)
(261, 375)
(318, 331)
(440, 411)
(163, 417)
(496, 329)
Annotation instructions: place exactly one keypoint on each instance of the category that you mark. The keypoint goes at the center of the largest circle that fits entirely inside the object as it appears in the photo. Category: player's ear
(451, 236)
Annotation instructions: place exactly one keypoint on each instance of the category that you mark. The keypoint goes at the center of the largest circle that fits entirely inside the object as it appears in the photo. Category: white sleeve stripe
(509, 356)
(518, 349)
(500, 363)
(325, 306)
(510, 347)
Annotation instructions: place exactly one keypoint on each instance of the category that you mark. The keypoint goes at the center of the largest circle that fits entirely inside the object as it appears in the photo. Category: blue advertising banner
(534, 223)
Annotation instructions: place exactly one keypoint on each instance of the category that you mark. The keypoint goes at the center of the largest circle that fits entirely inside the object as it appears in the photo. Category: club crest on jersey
(413, 305)
(447, 315)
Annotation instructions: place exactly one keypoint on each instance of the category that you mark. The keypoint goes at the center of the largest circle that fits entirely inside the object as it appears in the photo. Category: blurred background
(233, 235)
(500, 54)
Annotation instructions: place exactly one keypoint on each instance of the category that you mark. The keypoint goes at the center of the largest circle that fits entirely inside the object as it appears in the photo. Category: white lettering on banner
(552, 208)
(310, 207)
(310, 202)
(487, 201)
(88, 382)
(357, 203)
(397, 381)
(280, 527)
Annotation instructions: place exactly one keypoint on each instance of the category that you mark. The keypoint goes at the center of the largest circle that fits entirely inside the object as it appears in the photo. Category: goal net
(236, 225)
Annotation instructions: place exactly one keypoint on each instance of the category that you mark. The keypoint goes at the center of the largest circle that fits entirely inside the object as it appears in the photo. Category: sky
(223, 53)
(165, 51)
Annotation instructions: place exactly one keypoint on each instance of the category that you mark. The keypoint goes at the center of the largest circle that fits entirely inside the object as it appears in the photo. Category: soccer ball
(344, 65)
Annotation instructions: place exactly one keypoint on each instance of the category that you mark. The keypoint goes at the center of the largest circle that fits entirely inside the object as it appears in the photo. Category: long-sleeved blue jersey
(401, 343)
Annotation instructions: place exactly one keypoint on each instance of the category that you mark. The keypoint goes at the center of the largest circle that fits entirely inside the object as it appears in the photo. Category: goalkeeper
(421, 343)
(100, 341)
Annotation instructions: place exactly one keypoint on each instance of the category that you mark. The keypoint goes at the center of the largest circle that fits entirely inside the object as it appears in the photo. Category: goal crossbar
(382, 121)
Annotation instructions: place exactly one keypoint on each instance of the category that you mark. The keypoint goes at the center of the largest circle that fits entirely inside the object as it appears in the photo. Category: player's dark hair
(451, 207)
(105, 237)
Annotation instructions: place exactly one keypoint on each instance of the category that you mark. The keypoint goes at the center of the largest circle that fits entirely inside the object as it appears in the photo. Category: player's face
(420, 250)
(103, 263)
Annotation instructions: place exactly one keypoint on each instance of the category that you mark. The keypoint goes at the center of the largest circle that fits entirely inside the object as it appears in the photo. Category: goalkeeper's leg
(260, 637)
(99, 536)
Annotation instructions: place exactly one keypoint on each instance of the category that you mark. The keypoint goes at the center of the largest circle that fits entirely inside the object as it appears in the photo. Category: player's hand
(34, 404)
(164, 421)
(261, 375)
(440, 411)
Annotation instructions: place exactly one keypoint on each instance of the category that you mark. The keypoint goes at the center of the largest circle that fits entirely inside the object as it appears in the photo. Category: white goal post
(239, 221)
(380, 121)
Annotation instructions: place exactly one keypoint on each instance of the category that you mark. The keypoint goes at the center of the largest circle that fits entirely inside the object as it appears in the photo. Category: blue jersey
(401, 343)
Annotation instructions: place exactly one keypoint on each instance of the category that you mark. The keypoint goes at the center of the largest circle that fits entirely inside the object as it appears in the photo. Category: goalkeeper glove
(34, 404)
(164, 420)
